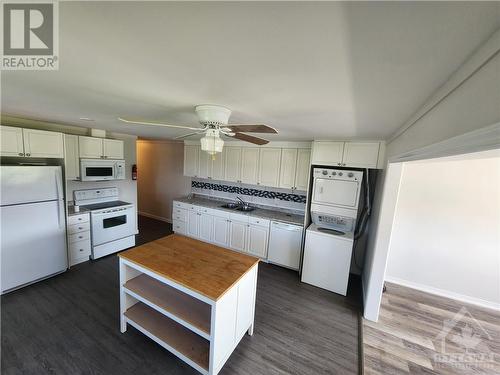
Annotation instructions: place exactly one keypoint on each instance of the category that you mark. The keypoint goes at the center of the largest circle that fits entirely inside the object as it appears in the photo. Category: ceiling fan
(214, 119)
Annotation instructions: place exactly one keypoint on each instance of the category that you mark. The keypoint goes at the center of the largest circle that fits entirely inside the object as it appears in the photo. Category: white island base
(201, 331)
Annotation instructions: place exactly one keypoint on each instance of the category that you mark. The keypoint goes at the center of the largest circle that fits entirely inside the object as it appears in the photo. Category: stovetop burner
(100, 206)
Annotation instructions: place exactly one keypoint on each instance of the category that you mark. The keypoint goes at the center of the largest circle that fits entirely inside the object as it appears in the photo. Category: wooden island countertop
(201, 267)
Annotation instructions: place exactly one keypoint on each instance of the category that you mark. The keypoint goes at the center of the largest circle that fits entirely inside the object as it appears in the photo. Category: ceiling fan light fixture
(211, 142)
(212, 114)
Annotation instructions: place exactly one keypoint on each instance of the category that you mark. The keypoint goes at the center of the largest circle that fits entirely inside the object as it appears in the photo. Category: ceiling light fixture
(211, 142)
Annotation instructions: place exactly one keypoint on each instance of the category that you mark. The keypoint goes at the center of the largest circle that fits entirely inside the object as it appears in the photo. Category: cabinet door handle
(80, 250)
(21, 154)
(28, 154)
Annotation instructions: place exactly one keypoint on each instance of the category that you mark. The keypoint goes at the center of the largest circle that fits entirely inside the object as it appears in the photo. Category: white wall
(466, 102)
(446, 232)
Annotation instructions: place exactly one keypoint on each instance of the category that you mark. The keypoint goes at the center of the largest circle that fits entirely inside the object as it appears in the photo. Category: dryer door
(336, 192)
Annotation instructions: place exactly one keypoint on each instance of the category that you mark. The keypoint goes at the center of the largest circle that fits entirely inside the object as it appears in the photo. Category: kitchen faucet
(243, 203)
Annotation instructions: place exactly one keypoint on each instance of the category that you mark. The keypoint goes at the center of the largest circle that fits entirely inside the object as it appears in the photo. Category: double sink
(238, 207)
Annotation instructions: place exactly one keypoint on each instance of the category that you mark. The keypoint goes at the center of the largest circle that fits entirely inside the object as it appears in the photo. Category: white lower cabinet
(238, 235)
(193, 223)
(206, 227)
(221, 231)
(230, 230)
(78, 232)
(257, 240)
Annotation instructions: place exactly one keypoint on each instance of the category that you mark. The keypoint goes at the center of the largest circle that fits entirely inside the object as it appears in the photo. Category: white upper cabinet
(12, 141)
(327, 153)
(269, 166)
(294, 170)
(112, 148)
(100, 148)
(361, 154)
(302, 169)
(90, 147)
(31, 143)
(287, 169)
(232, 164)
(218, 165)
(346, 154)
(249, 165)
(43, 144)
(191, 162)
(205, 165)
(71, 159)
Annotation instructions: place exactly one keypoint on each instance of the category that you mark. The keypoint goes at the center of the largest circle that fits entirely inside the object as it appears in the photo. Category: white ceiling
(312, 70)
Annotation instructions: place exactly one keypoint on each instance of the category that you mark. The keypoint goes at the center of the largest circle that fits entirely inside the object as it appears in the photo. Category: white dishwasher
(284, 244)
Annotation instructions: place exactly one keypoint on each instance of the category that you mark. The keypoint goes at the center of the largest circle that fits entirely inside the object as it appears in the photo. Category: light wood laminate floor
(408, 338)
(69, 324)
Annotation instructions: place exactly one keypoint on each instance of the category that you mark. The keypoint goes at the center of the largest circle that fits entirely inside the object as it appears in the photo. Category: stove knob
(325, 172)
(351, 174)
(340, 173)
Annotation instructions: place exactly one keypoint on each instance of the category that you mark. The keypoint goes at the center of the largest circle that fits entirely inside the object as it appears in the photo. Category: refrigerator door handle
(60, 200)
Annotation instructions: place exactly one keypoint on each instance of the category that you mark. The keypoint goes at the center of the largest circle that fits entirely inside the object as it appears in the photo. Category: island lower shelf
(170, 334)
(200, 330)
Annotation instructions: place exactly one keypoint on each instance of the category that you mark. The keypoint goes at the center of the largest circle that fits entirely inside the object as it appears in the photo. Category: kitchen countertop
(264, 213)
(201, 267)
(71, 211)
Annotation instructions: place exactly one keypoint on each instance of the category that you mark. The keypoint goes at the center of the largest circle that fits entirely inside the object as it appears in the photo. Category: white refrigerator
(33, 229)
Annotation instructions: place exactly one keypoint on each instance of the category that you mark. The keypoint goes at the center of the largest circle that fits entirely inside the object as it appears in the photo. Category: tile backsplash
(273, 197)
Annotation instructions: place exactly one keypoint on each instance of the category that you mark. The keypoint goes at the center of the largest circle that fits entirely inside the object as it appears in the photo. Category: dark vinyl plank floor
(69, 324)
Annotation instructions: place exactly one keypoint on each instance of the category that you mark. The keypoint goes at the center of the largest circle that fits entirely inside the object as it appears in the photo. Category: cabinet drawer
(238, 217)
(221, 213)
(78, 237)
(75, 219)
(179, 214)
(181, 205)
(258, 221)
(179, 226)
(79, 249)
(80, 227)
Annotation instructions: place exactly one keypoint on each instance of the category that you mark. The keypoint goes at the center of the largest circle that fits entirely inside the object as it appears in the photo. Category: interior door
(336, 192)
(33, 242)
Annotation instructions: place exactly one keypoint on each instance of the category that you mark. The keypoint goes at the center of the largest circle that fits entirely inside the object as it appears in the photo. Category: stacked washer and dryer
(330, 238)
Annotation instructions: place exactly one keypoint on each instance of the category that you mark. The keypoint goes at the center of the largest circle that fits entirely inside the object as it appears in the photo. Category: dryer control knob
(334, 173)
(325, 172)
(351, 174)
(340, 173)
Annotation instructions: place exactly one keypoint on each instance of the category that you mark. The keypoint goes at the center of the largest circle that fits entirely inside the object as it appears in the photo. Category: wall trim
(445, 293)
(483, 139)
(277, 144)
(481, 57)
(161, 218)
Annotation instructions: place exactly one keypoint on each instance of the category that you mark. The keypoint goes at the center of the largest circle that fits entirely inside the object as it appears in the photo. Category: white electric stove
(112, 220)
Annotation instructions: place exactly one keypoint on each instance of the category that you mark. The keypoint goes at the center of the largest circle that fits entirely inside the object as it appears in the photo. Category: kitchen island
(195, 299)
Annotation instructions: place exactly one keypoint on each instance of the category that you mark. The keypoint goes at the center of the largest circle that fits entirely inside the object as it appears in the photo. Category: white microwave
(102, 170)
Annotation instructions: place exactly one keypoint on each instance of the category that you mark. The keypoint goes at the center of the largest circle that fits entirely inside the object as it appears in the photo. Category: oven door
(336, 192)
(112, 224)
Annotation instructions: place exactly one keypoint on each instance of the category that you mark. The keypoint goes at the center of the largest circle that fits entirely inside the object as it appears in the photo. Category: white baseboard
(445, 293)
(155, 217)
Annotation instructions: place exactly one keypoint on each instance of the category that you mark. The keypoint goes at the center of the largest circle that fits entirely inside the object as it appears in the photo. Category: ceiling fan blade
(188, 135)
(256, 128)
(154, 123)
(249, 138)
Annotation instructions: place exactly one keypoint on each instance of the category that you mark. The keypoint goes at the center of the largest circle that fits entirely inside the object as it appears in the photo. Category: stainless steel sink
(231, 206)
(245, 208)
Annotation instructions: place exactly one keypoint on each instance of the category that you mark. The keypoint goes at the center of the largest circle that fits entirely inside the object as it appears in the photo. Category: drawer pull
(81, 250)
(80, 236)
